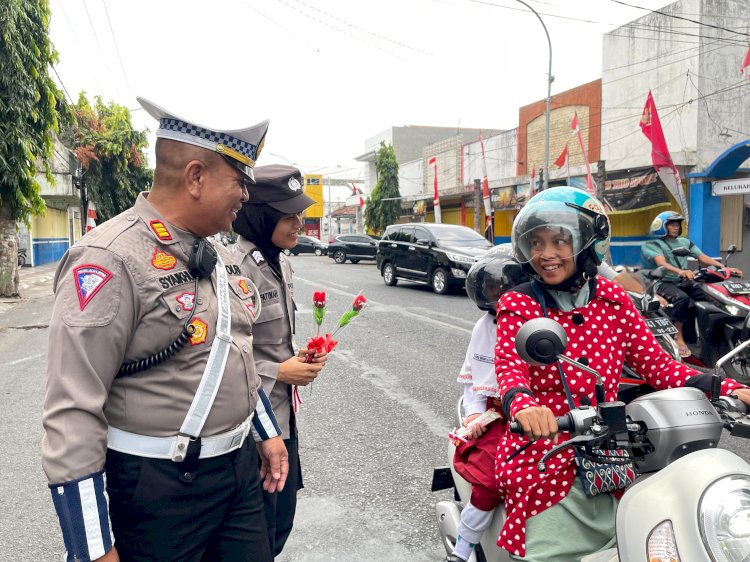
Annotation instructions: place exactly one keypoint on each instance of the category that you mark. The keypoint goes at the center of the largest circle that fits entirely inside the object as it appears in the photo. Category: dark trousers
(281, 506)
(679, 296)
(212, 514)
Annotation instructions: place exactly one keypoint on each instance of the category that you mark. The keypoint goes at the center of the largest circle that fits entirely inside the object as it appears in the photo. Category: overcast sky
(330, 73)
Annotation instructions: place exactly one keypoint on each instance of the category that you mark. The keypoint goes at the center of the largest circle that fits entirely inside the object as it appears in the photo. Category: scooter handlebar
(564, 423)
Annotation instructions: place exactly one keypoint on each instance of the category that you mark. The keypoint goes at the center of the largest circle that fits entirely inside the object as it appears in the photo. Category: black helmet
(490, 278)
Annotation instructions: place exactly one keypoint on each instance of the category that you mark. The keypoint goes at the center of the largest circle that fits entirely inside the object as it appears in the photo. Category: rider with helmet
(490, 277)
(677, 285)
(560, 237)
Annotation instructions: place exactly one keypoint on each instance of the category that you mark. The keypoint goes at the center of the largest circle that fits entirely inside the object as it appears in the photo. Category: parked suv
(352, 247)
(437, 254)
(308, 245)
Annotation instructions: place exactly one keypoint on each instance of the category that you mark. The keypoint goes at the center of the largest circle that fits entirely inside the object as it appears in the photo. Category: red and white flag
(532, 182)
(91, 216)
(435, 198)
(660, 157)
(562, 160)
(589, 179)
(745, 69)
(361, 201)
(485, 189)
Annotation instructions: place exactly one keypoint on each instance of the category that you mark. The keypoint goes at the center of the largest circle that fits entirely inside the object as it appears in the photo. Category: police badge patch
(294, 184)
(200, 331)
(257, 256)
(186, 300)
(89, 279)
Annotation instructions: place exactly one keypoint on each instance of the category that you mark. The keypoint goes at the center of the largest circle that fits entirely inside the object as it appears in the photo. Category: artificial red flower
(359, 303)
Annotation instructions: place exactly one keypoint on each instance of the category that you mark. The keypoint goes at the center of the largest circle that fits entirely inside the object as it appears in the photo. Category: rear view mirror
(540, 341)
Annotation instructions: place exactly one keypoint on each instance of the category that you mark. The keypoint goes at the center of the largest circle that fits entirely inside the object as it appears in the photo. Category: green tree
(28, 120)
(111, 154)
(384, 204)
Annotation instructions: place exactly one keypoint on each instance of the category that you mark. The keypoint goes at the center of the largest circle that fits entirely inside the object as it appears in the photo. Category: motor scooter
(722, 320)
(21, 257)
(690, 502)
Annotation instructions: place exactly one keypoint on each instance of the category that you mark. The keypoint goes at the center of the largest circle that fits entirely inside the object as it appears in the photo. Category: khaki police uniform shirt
(122, 294)
(274, 328)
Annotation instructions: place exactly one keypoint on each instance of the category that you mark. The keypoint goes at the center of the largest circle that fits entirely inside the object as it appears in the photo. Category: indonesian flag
(660, 157)
(562, 160)
(485, 188)
(532, 182)
(745, 69)
(355, 189)
(589, 180)
(361, 201)
(435, 198)
(90, 216)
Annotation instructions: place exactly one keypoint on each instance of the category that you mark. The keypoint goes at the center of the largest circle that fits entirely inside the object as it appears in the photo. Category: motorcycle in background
(21, 257)
(722, 320)
(690, 502)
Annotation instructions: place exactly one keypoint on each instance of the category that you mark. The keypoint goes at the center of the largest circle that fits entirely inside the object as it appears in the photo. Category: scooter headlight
(724, 514)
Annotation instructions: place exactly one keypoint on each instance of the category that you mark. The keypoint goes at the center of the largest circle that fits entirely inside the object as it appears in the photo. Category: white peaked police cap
(239, 147)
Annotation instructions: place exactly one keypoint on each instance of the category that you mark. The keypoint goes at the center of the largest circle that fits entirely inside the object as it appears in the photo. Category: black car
(352, 247)
(436, 254)
(308, 245)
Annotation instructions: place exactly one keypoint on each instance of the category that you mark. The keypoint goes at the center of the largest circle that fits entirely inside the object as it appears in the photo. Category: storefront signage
(731, 187)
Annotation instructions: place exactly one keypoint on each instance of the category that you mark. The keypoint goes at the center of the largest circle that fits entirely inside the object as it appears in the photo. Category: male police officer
(151, 379)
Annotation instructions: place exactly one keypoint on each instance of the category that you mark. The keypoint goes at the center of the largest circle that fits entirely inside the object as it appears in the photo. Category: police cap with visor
(280, 187)
(240, 148)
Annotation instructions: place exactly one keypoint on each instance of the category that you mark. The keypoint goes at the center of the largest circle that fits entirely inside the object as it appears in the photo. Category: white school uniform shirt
(477, 374)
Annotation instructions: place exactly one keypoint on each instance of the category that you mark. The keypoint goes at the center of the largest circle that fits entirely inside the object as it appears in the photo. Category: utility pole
(478, 206)
(600, 178)
(78, 181)
(330, 212)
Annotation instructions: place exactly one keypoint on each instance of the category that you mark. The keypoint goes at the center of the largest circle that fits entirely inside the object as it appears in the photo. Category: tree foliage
(28, 105)
(111, 153)
(384, 204)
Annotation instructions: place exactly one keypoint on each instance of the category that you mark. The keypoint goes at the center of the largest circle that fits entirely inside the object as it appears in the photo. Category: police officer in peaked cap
(152, 390)
(268, 224)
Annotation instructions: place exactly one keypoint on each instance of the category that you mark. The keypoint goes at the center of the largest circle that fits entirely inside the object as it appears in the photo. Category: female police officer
(267, 224)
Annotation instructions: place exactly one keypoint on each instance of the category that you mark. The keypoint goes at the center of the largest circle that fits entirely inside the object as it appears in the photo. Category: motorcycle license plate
(737, 287)
(661, 326)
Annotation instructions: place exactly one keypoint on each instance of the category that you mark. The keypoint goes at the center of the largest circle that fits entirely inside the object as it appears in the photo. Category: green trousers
(571, 529)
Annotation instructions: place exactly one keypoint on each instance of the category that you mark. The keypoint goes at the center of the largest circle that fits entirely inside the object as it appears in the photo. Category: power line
(117, 49)
(681, 18)
(101, 50)
(62, 84)
(399, 43)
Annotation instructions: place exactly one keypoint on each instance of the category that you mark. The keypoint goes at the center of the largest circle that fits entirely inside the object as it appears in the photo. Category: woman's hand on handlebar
(734, 271)
(538, 422)
(743, 394)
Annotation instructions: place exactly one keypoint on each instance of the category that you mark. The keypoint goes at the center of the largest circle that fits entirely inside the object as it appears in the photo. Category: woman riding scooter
(560, 237)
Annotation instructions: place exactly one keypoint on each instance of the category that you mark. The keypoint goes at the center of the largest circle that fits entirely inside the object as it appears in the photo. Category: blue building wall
(47, 250)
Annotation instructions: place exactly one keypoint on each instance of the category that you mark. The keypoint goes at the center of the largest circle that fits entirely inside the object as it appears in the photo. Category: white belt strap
(217, 360)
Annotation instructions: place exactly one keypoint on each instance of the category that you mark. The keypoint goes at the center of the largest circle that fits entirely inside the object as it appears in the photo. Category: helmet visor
(555, 227)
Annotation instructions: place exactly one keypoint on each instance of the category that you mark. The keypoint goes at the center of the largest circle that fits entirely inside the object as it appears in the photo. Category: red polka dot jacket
(612, 332)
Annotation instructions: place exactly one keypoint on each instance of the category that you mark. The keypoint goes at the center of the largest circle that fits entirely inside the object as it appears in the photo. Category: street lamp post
(550, 79)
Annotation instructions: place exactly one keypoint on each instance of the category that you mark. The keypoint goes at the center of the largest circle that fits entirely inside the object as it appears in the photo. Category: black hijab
(256, 222)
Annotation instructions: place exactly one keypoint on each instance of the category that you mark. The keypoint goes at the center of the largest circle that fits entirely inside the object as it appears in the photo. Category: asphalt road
(372, 427)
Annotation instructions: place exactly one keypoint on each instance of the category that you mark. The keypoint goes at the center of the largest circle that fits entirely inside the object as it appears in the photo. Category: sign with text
(730, 187)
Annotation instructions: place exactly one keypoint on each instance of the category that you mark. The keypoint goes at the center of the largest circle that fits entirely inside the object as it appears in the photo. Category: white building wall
(500, 156)
(678, 61)
(410, 178)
